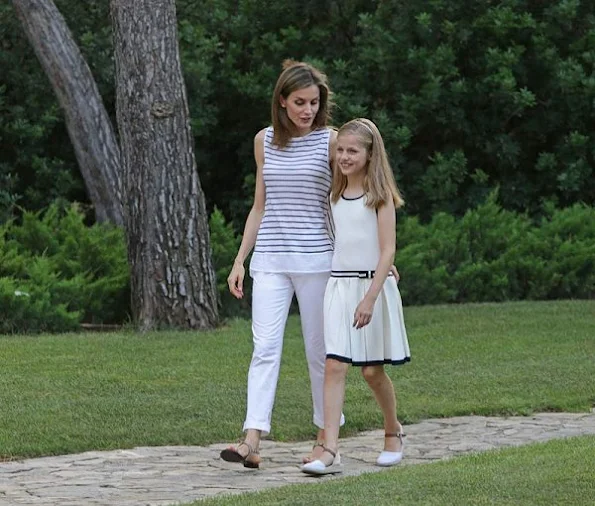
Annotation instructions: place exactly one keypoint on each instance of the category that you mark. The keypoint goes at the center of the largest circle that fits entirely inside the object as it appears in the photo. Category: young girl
(363, 315)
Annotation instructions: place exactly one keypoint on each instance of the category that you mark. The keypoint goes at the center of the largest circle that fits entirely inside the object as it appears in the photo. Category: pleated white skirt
(382, 341)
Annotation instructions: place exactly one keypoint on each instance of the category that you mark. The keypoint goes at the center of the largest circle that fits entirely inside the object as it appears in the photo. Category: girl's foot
(393, 449)
(315, 454)
(393, 441)
(328, 463)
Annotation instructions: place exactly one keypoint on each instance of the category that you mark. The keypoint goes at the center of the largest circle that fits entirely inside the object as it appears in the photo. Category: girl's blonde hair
(379, 183)
(296, 76)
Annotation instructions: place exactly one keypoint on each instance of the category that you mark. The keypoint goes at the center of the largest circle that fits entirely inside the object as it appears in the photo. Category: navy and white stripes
(297, 181)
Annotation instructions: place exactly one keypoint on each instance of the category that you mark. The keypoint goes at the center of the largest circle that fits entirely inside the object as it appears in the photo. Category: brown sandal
(400, 435)
(231, 454)
(306, 460)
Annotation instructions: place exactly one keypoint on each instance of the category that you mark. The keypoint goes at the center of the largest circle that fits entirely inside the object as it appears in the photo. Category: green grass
(69, 393)
(558, 472)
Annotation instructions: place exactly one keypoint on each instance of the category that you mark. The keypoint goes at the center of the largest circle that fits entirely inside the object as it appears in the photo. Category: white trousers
(271, 298)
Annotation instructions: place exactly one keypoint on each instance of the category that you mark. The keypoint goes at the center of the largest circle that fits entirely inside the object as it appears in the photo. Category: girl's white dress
(356, 255)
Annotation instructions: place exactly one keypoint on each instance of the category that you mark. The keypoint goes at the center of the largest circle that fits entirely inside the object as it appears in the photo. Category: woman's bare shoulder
(259, 137)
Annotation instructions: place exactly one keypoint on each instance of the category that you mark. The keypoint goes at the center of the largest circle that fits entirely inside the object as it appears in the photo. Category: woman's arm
(387, 237)
(235, 280)
(332, 147)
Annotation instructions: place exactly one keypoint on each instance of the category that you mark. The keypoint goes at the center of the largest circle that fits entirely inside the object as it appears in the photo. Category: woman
(287, 227)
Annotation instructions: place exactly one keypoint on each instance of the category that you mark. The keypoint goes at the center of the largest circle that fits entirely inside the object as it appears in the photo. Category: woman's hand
(235, 280)
(363, 313)
(395, 272)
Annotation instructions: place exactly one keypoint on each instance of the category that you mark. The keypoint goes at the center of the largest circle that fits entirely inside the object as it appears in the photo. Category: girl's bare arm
(387, 237)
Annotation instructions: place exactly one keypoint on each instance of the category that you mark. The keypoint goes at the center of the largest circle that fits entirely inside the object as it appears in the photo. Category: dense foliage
(55, 272)
(491, 254)
(486, 108)
(470, 95)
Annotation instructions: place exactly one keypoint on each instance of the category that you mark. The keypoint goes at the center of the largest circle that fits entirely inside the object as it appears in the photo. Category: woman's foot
(328, 463)
(244, 452)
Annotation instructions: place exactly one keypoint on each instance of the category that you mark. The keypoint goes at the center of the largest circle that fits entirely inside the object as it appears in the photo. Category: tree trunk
(88, 124)
(172, 276)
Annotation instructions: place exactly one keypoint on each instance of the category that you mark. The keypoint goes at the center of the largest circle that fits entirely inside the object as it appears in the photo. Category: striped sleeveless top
(293, 234)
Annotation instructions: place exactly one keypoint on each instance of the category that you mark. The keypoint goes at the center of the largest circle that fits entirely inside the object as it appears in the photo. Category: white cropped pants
(271, 297)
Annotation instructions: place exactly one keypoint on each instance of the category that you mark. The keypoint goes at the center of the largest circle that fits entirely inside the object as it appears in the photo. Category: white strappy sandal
(388, 459)
(319, 468)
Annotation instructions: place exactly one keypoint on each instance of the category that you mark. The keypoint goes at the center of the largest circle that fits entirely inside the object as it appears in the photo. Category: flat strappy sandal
(306, 460)
(231, 454)
(319, 468)
(388, 459)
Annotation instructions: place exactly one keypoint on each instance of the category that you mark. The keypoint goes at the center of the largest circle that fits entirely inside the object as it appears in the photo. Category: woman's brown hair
(297, 76)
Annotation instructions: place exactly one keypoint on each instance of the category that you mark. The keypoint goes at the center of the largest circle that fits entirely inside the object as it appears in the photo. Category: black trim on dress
(355, 274)
(386, 361)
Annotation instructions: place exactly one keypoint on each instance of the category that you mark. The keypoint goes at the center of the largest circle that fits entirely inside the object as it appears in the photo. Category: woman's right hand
(235, 280)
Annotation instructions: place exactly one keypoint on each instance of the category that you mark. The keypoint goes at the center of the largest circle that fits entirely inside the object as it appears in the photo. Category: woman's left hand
(363, 313)
(395, 272)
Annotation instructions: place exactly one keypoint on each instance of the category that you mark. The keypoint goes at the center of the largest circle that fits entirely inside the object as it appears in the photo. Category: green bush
(225, 244)
(490, 254)
(56, 272)
(493, 255)
(27, 306)
(65, 272)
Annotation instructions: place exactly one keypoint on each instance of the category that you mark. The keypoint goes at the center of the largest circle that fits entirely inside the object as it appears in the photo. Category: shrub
(491, 255)
(225, 244)
(30, 307)
(70, 272)
(56, 272)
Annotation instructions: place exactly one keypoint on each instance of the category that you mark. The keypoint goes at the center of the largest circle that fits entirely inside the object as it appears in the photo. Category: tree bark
(172, 276)
(87, 121)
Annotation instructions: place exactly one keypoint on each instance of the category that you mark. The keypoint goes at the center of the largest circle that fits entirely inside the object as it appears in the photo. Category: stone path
(171, 475)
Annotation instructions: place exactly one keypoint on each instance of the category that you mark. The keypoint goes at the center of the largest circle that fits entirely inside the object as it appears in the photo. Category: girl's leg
(309, 290)
(334, 396)
(271, 298)
(384, 392)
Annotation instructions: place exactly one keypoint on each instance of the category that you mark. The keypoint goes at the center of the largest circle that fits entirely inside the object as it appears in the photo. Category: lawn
(559, 472)
(74, 392)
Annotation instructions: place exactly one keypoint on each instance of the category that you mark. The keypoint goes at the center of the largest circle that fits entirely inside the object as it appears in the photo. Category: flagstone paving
(160, 476)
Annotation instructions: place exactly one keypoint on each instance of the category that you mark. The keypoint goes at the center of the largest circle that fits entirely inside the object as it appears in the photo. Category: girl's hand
(363, 313)
(395, 272)
(235, 280)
